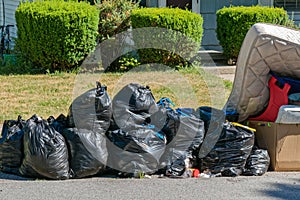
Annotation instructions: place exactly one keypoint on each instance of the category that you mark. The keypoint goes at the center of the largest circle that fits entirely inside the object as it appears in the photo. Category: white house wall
(295, 16)
(10, 8)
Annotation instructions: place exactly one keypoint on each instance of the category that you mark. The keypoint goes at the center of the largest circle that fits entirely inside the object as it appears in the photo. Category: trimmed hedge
(234, 22)
(185, 22)
(56, 35)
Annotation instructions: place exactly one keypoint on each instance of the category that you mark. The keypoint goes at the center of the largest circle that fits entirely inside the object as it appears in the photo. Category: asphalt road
(272, 185)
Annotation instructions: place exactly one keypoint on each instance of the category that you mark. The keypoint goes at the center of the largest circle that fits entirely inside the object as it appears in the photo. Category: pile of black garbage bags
(130, 135)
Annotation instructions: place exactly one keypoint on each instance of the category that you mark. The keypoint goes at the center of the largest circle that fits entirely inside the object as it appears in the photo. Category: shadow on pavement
(284, 191)
(13, 177)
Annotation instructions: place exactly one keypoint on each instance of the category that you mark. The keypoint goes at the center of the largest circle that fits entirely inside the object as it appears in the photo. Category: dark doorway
(180, 4)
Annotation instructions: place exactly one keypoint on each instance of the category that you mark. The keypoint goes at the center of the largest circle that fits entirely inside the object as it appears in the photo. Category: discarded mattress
(265, 48)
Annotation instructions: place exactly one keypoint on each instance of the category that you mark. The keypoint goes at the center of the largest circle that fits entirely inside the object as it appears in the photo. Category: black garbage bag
(59, 124)
(92, 110)
(11, 146)
(132, 107)
(185, 133)
(213, 122)
(160, 118)
(230, 153)
(135, 151)
(45, 151)
(257, 163)
(87, 150)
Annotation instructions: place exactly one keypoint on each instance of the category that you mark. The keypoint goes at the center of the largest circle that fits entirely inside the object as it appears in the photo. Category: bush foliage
(56, 35)
(234, 22)
(185, 37)
(114, 17)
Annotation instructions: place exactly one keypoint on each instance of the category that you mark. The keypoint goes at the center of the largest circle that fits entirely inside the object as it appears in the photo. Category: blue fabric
(294, 83)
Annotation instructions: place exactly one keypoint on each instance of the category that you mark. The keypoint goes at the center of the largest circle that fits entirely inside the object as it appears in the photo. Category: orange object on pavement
(196, 173)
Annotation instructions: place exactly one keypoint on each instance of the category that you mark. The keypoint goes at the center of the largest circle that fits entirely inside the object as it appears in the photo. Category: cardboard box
(282, 142)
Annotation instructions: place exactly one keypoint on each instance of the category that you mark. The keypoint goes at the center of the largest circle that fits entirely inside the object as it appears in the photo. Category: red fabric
(278, 97)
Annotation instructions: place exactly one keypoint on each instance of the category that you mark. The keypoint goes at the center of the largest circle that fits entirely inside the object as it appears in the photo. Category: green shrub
(92, 2)
(114, 17)
(185, 37)
(123, 63)
(234, 22)
(56, 35)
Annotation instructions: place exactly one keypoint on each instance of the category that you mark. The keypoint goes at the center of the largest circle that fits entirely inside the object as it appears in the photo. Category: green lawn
(51, 94)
